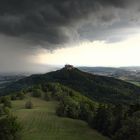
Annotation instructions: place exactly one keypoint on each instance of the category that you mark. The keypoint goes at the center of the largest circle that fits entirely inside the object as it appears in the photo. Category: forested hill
(100, 88)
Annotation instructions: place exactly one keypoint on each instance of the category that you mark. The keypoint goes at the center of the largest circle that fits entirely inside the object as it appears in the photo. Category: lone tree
(29, 104)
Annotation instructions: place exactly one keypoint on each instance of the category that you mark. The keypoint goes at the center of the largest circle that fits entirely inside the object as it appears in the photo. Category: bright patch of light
(97, 53)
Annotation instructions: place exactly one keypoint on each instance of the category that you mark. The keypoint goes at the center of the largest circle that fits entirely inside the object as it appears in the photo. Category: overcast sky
(34, 33)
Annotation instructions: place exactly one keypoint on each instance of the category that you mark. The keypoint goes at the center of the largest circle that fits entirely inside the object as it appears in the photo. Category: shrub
(21, 95)
(6, 101)
(9, 128)
(37, 92)
(47, 96)
(13, 97)
(29, 105)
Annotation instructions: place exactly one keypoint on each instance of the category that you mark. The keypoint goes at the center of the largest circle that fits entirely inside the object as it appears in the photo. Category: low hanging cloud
(51, 23)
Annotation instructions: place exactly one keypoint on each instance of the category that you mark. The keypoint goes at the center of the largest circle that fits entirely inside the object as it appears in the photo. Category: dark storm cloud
(58, 21)
(29, 26)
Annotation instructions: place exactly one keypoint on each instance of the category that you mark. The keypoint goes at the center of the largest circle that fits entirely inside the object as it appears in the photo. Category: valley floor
(41, 123)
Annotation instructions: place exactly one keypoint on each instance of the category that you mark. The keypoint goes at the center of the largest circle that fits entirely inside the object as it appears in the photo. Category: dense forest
(98, 88)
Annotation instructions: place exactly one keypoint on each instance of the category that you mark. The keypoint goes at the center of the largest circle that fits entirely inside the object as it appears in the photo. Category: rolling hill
(123, 73)
(6, 79)
(100, 88)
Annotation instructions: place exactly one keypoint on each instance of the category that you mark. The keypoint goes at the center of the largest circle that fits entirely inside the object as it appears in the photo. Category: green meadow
(41, 123)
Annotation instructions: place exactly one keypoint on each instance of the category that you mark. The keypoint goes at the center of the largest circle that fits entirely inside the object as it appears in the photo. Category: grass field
(41, 123)
(135, 83)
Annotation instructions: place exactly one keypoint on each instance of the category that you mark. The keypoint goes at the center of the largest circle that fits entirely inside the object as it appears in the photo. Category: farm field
(41, 123)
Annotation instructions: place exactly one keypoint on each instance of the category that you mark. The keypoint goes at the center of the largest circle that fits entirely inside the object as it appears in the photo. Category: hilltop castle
(69, 67)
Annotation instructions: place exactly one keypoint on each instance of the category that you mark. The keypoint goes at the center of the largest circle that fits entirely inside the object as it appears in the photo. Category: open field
(41, 123)
(135, 83)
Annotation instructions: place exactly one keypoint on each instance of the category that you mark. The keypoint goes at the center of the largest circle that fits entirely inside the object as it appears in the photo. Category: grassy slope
(135, 83)
(41, 123)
